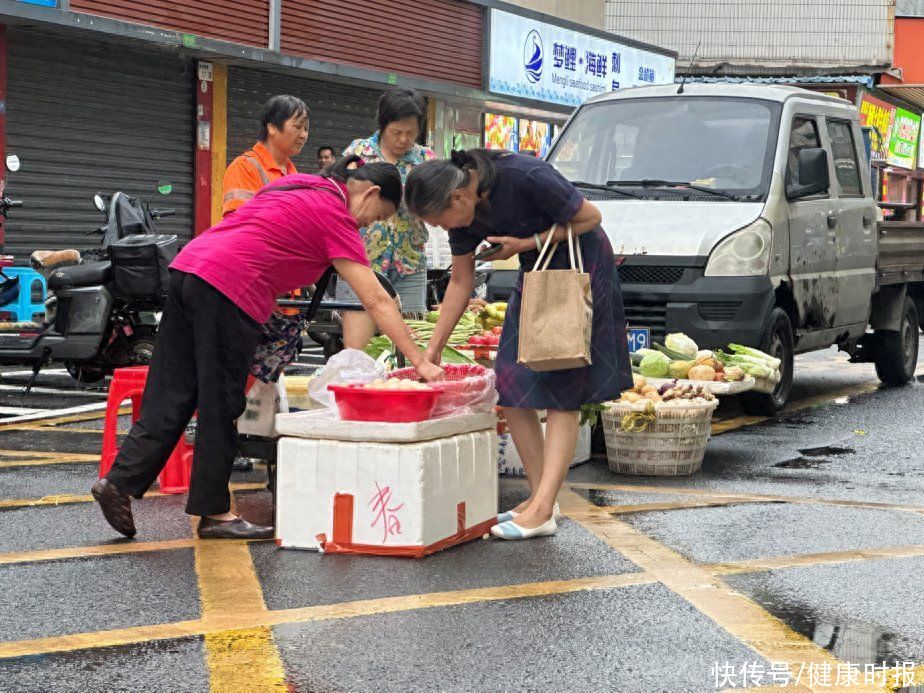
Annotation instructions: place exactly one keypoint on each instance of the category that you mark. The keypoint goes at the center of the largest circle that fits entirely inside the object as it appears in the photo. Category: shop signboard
(903, 144)
(43, 3)
(545, 62)
(878, 115)
(920, 151)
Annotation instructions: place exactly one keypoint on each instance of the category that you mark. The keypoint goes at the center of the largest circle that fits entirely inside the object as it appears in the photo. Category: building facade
(106, 95)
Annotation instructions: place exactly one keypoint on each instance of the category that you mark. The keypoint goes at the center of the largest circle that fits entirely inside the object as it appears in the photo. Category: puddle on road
(813, 458)
(849, 641)
(826, 451)
(802, 463)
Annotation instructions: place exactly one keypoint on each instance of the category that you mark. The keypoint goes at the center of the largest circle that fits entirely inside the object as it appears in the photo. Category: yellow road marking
(29, 459)
(678, 505)
(811, 559)
(327, 612)
(727, 425)
(228, 587)
(744, 497)
(68, 499)
(744, 619)
(122, 547)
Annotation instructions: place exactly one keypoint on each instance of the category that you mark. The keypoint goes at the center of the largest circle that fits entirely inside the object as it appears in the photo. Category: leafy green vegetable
(671, 354)
(681, 344)
(755, 353)
(590, 413)
(655, 365)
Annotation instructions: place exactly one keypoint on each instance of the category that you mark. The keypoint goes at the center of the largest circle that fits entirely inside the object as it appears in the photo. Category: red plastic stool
(128, 383)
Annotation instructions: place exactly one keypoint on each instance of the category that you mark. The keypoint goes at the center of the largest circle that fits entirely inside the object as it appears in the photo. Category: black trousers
(202, 355)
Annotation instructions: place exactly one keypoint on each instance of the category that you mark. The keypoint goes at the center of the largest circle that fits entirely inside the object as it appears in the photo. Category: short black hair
(277, 110)
(398, 103)
(326, 148)
(380, 173)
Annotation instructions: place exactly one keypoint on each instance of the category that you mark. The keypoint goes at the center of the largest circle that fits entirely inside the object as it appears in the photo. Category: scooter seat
(91, 274)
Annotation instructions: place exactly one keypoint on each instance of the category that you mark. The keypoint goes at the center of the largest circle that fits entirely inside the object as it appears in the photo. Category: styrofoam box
(401, 498)
(321, 423)
(509, 463)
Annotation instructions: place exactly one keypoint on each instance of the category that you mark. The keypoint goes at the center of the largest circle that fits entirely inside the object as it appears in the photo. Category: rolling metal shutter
(84, 117)
(339, 113)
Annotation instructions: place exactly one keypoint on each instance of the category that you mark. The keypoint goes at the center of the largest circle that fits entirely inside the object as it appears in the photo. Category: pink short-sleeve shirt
(279, 241)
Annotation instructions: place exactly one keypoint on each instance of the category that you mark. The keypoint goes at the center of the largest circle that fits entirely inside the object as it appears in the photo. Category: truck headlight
(745, 253)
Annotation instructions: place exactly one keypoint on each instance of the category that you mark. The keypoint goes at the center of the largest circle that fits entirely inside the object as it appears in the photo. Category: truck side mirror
(813, 174)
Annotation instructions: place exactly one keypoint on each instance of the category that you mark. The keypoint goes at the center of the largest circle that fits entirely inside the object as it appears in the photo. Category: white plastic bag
(264, 401)
(349, 366)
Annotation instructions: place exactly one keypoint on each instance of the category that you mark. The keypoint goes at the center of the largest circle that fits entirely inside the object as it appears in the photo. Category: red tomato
(497, 330)
(477, 341)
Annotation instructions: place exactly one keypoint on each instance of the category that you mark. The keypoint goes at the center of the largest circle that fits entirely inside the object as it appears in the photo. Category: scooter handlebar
(161, 213)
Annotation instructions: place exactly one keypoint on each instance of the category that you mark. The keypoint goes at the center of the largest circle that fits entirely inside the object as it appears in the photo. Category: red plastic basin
(358, 403)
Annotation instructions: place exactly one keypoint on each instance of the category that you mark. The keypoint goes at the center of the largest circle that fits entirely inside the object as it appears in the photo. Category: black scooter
(86, 326)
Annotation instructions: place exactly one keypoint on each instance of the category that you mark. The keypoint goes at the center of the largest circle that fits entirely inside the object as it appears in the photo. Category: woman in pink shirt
(223, 287)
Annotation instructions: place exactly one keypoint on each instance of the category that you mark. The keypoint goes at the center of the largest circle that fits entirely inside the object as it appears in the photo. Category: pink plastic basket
(464, 386)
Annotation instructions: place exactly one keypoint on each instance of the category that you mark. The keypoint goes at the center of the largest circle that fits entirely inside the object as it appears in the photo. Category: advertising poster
(500, 132)
(878, 115)
(903, 144)
(535, 137)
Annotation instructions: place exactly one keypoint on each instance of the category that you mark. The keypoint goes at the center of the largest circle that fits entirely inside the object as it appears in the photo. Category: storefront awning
(910, 93)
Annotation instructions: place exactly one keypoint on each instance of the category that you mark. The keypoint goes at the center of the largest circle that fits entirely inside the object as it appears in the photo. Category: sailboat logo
(532, 56)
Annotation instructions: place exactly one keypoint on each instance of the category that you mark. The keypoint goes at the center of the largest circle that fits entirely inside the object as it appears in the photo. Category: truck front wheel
(777, 341)
(896, 351)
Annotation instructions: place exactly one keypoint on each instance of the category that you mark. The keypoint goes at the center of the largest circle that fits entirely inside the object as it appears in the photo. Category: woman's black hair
(431, 184)
(398, 103)
(277, 110)
(382, 174)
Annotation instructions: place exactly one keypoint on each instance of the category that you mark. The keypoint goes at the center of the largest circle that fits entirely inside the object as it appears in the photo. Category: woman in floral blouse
(396, 246)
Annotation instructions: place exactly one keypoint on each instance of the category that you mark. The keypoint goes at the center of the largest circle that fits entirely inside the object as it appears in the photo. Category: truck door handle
(867, 221)
(832, 221)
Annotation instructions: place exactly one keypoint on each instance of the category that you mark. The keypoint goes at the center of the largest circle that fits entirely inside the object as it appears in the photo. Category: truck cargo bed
(901, 252)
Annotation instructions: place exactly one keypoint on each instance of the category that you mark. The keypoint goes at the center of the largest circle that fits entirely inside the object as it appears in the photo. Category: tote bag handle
(574, 252)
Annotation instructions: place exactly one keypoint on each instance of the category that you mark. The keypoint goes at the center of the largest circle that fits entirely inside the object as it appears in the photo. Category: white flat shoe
(512, 531)
(510, 514)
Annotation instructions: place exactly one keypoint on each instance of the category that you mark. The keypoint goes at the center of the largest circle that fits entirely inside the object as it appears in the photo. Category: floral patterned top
(396, 243)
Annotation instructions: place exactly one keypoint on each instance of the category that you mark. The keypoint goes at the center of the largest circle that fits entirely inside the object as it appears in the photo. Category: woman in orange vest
(283, 133)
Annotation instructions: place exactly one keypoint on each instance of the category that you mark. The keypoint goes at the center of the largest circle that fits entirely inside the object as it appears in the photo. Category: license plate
(639, 338)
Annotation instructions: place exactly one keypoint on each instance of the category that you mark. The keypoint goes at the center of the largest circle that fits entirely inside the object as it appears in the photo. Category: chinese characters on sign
(545, 62)
(903, 144)
(878, 115)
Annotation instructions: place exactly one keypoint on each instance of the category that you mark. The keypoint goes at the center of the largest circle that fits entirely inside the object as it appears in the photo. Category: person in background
(517, 201)
(223, 287)
(283, 132)
(395, 247)
(326, 157)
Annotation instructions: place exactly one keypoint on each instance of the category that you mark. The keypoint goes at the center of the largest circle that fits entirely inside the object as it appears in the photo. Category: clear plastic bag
(466, 389)
(349, 366)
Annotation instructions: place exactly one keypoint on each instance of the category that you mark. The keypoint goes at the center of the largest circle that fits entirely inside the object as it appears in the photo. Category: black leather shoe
(116, 506)
(238, 528)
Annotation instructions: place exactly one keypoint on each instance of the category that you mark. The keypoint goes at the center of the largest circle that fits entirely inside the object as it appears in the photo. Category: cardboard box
(400, 499)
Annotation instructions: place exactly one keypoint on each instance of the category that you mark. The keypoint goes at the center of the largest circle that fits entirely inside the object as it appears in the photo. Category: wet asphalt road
(806, 564)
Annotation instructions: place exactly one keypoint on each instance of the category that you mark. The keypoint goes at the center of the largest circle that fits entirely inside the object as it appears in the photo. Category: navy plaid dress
(527, 198)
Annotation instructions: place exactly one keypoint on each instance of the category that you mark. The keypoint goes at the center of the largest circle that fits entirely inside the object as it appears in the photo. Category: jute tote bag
(556, 313)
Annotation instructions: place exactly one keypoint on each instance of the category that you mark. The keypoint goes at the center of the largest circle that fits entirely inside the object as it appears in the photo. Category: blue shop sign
(43, 3)
(545, 62)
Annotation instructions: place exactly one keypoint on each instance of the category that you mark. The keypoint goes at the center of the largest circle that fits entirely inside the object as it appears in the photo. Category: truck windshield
(649, 144)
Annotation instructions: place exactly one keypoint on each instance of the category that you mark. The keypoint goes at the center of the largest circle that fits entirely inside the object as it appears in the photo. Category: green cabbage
(655, 365)
(682, 344)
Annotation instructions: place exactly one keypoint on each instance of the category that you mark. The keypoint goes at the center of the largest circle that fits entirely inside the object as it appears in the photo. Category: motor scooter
(87, 325)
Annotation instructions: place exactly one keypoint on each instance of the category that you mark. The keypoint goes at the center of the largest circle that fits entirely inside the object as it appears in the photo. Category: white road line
(54, 413)
(21, 389)
(45, 371)
(15, 411)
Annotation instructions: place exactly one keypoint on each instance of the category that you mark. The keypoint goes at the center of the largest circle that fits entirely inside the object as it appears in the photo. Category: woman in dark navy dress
(514, 200)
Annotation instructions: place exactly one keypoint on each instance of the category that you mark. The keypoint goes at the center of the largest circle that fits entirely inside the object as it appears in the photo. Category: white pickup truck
(745, 213)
